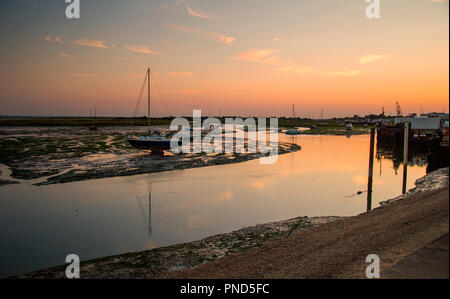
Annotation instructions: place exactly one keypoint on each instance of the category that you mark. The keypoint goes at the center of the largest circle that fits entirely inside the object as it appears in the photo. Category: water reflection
(147, 217)
(394, 153)
(39, 226)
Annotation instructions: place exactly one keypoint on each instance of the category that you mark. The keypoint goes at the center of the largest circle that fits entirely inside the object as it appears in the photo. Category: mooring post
(371, 160)
(405, 157)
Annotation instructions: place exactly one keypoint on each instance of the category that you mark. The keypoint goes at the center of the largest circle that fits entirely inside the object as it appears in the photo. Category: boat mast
(148, 76)
(293, 116)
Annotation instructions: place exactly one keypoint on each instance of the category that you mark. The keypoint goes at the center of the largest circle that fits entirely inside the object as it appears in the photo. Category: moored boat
(154, 141)
(294, 130)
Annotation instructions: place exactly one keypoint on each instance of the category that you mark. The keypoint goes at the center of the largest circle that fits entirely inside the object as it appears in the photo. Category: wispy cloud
(371, 58)
(91, 43)
(176, 27)
(218, 37)
(198, 14)
(54, 39)
(140, 49)
(123, 58)
(262, 56)
(286, 66)
(214, 36)
(65, 55)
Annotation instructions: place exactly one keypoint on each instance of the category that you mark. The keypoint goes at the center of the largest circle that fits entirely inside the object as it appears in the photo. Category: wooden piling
(405, 156)
(371, 160)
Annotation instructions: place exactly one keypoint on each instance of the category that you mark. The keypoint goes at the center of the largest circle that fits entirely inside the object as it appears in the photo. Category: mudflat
(339, 249)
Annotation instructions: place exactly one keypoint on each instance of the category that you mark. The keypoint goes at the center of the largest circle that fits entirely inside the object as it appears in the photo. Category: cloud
(197, 14)
(218, 37)
(262, 56)
(270, 57)
(345, 73)
(65, 55)
(54, 39)
(176, 27)
(123, 58)
(91, 43)
(180, 74)
(113, 46)
(282, 66)
(371, 58)
(140, 49)
(440, 1)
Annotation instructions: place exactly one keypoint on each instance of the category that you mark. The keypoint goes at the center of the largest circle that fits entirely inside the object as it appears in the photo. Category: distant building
(435, 115)
(420, 123)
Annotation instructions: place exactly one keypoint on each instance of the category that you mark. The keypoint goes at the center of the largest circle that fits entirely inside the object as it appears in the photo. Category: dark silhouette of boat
(154, 141)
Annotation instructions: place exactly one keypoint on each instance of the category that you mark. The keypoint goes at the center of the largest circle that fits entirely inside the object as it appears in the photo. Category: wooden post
(405, 157)
(371, 160)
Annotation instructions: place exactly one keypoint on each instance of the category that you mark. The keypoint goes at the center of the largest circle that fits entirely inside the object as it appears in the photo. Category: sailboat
(154, 141)
(293, 131)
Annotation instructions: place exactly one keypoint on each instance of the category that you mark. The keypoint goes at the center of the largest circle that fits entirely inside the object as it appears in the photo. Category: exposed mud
(152, 263)
(436, 180)
(161, 262)
(62, 155)
(5, 176)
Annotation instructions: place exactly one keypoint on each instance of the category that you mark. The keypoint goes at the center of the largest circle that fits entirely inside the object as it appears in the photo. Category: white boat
(294, 130)
(349, 126)
(155, 141)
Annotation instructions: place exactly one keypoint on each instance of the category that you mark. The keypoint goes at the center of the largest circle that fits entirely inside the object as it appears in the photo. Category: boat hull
(150, 145)
(293, 132)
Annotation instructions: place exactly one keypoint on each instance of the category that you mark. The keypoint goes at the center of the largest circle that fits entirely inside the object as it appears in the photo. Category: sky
(227, 57)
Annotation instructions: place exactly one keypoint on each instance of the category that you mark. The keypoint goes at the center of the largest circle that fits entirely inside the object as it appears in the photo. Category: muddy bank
(336, 131)
(4, 181)
(155, 262)
(63, 155)
(162, 261)
(339, 249)
(436, 180)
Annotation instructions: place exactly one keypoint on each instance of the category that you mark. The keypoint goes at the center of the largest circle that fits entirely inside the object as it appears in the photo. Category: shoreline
(165, 260)
(45, 156)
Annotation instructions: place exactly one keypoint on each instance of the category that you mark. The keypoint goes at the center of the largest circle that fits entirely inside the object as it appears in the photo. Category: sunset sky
(239, 57)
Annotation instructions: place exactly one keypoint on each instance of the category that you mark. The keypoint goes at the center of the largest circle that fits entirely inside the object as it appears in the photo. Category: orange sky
(239, 57)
